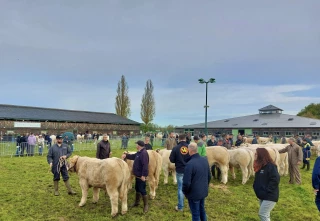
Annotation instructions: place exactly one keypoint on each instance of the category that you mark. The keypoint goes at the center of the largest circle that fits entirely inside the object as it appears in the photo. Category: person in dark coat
(239, 141)
(196, 181)
(104, 148)
(57, 155)
(212, 141)
(316, 180)
(254, 141)
(179, 156)
(283, 140)
(141, 171)
(266, 182)
(147, 144)
(306, 154)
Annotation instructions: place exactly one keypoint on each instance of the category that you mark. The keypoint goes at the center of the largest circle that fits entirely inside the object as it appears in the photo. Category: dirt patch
(222, 187)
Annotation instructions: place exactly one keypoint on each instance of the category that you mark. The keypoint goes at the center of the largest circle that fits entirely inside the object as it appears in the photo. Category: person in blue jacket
(196, 181)
(266, 183)
(306, 154)
(316, 180)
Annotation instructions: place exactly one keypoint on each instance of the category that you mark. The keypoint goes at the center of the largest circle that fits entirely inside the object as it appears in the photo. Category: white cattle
(155, 164)
(219, 156)
(110, 174)
(243, 158)
(167, 166)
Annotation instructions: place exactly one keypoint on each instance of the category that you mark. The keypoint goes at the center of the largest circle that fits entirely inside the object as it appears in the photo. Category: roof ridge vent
(226, 121)
(313, 123)
(290, 119)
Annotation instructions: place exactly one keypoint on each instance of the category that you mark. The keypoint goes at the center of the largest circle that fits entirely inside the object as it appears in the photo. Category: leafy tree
(148, 108)
(122, 103)
(311, 111)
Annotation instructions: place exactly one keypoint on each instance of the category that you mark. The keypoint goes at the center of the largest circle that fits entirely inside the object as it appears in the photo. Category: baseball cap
(58, 137)
(140, 143)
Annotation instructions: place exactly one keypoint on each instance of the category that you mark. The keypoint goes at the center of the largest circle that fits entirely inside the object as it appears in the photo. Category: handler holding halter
(57, 155)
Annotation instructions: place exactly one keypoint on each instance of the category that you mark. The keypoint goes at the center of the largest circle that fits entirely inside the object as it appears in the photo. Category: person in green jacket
(202, 151)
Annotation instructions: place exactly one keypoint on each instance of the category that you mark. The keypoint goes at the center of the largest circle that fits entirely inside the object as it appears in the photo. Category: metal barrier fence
(11, 149)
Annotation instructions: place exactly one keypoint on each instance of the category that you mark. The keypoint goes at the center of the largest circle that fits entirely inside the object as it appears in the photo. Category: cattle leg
(114, 198)
(165, 174)
(244, 170)
(152, 187)
(96, 192)
(224, 173)
(174, 176)
(232, 172)
(124, 202)
(84, 188)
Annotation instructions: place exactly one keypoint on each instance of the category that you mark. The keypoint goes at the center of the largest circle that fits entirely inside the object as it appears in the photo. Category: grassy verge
(26, 193)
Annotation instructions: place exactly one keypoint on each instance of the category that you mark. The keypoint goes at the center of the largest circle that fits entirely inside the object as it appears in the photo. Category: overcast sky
(71, 54)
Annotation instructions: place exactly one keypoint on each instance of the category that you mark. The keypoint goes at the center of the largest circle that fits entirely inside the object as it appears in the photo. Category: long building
(24, 119)
(269, 121)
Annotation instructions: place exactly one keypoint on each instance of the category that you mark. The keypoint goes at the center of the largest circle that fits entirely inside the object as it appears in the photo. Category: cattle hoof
(95, 202)
(114, 215)
(124, 212)
(152, 197)
(81, 205)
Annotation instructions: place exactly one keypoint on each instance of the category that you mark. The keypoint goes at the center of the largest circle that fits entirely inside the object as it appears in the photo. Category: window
(301, 133)
(276, 133)
(131, 132)
(288, 133)
(316, 134)
(114, 132)
(265, 133)
(255, 133)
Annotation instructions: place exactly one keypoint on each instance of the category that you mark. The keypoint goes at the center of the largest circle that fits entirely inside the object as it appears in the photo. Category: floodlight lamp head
(212, 80)
(201, 81)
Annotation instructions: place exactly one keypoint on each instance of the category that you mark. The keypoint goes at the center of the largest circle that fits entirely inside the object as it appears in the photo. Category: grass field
(26, 193)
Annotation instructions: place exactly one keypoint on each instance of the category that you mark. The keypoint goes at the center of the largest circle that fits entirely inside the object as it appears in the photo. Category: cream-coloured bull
(274, 154)
(110, 174)
(219, 156)
(155, 164)
(167, 166)
(283, 162)
(243, 158)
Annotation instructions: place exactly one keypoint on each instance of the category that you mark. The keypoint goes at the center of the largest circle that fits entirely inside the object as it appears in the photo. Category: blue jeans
(265, 209)
(197, 210)
(180, 193)
(40, 149)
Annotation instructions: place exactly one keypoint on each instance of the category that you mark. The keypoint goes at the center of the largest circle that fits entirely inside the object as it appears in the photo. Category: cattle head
(158, 150)
(73, 163)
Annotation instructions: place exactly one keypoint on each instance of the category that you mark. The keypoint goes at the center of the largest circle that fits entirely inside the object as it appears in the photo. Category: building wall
(288, 132)
(7, 126)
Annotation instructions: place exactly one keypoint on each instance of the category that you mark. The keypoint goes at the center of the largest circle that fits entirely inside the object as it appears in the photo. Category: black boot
(308, 166)
(145, 203)
(137, 202)
(56, 186)
(304, 165)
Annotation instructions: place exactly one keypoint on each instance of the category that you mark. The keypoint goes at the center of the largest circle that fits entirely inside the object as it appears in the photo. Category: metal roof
(270, 108)
(275, 120)
(13, 112)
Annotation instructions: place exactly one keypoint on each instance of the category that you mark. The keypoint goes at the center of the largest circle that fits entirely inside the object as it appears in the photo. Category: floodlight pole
(201, 81)
(206, 126)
